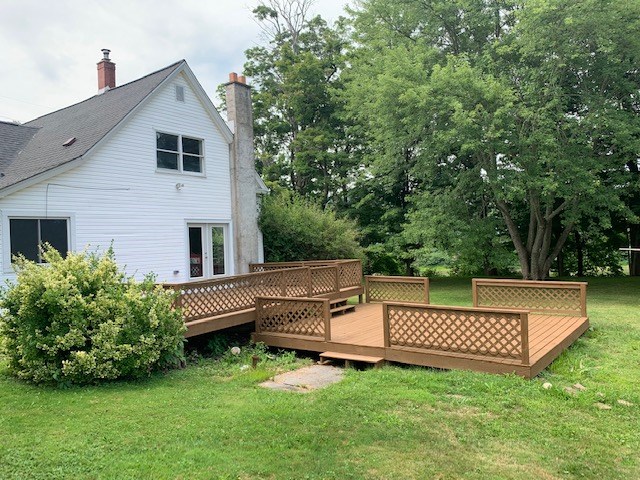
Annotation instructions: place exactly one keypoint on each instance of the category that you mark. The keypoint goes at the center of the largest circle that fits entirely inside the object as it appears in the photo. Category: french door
(207, 250)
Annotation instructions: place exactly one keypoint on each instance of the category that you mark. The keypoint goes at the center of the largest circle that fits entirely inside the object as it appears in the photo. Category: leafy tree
(297, 229)
(302, 142)
(528, 99)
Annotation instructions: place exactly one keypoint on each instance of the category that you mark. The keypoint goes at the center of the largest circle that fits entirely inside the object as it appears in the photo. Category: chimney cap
(233, 77)
(105, 54)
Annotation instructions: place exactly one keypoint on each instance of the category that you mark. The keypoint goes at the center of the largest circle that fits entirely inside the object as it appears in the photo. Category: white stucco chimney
(244, 183)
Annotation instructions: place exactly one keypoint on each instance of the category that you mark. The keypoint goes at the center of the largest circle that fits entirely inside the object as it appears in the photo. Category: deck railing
(481, 332)
(349, 271)
(207, 298)
(212, 297)
(309, 317)
(555, 298)
(398, 289)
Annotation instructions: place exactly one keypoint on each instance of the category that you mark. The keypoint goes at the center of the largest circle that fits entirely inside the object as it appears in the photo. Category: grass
(212, 420)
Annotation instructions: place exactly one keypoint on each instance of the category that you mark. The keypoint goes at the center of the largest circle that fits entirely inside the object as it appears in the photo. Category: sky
(49, 48)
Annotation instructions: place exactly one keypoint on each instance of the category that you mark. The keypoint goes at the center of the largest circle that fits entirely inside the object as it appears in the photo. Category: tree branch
(515, 237)
(559, 244)
(549, 216)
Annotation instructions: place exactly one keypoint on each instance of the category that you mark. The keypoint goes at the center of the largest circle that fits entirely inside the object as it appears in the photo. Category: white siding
(118, 197)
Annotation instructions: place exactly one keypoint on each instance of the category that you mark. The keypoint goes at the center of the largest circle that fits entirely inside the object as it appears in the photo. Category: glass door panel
(196, 263)
(217, 250)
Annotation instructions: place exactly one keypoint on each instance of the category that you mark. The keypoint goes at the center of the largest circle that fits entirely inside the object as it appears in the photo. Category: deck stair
(340, 306)
(350, 358)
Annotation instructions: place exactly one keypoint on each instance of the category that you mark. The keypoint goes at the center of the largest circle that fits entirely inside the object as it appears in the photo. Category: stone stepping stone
(305, 379)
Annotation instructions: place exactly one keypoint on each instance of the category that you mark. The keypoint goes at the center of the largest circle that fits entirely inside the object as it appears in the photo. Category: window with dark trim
(27, 235)
(180, 153)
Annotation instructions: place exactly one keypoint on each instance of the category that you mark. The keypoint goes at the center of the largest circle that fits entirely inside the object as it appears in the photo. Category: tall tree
(532, 107)
(302, 142)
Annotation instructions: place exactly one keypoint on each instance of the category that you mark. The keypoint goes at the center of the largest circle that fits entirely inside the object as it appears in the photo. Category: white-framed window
(28, 234)
(179, 153)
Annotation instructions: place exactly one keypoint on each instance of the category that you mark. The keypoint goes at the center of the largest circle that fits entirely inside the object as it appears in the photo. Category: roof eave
(38, 178)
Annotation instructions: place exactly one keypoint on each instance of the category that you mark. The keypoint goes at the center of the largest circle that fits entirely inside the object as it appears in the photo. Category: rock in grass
(570, 390)
(625, 403)
(579, 386)
(602, 406)
(547, 385)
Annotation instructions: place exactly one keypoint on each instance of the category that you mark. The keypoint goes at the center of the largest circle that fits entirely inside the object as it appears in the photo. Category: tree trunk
(538, 254)
(634, 229)
(579, 253)
(408, 269)
(560, 264)
(634, 257)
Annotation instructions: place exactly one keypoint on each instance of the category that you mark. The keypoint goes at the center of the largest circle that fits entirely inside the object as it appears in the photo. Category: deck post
(327, 319)
(259, 311)
(366, 290)
(385, 325)
(583, 299)
(426, 290)
(336, 279)
(474, 291)
(524, 335)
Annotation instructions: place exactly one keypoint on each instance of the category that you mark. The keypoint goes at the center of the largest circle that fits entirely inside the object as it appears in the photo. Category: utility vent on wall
(180, 93)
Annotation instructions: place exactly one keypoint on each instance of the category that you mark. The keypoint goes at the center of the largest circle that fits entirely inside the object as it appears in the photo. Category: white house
(149, 167)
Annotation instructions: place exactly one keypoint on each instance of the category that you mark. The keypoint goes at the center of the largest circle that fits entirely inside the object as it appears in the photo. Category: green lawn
(212, 420)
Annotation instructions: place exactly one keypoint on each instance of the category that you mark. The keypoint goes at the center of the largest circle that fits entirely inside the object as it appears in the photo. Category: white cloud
(49, 50)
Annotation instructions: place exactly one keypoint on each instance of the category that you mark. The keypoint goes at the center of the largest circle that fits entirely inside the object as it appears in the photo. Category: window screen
(54, 232)
(28, 234)
(24, 238)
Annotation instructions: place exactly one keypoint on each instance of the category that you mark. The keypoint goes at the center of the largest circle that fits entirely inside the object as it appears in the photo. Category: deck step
(343, 309)
(350, 357)
(338, 301)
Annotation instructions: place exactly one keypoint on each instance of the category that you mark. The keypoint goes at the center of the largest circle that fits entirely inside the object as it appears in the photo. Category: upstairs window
(176, 152)
(27, 235)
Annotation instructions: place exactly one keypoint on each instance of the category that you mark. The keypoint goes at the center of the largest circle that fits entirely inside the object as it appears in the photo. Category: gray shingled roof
(13, 138)
(37, 146)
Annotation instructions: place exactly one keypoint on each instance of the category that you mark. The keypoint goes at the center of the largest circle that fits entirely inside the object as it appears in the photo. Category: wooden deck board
(361, 332)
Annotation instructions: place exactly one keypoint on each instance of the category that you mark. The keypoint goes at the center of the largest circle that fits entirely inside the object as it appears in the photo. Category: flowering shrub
(80, 320)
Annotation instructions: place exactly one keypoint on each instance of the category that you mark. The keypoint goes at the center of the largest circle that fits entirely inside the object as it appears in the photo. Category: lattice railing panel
(216, 297)
(414, 290)
(350, 274)
(323, 280)
(349, 271)
(296, 283)
(535, 298)
(490, 334)
(293, 317)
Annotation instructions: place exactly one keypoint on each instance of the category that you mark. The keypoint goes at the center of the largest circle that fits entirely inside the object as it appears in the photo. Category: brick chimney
(244, 187)
(106, 72)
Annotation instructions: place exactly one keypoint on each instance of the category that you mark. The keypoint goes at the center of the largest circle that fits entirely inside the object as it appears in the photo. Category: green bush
(296, 229)
(80, 320)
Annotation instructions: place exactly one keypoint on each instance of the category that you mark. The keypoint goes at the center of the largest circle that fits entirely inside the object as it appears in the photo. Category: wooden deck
(514, 326)
(362, 332)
